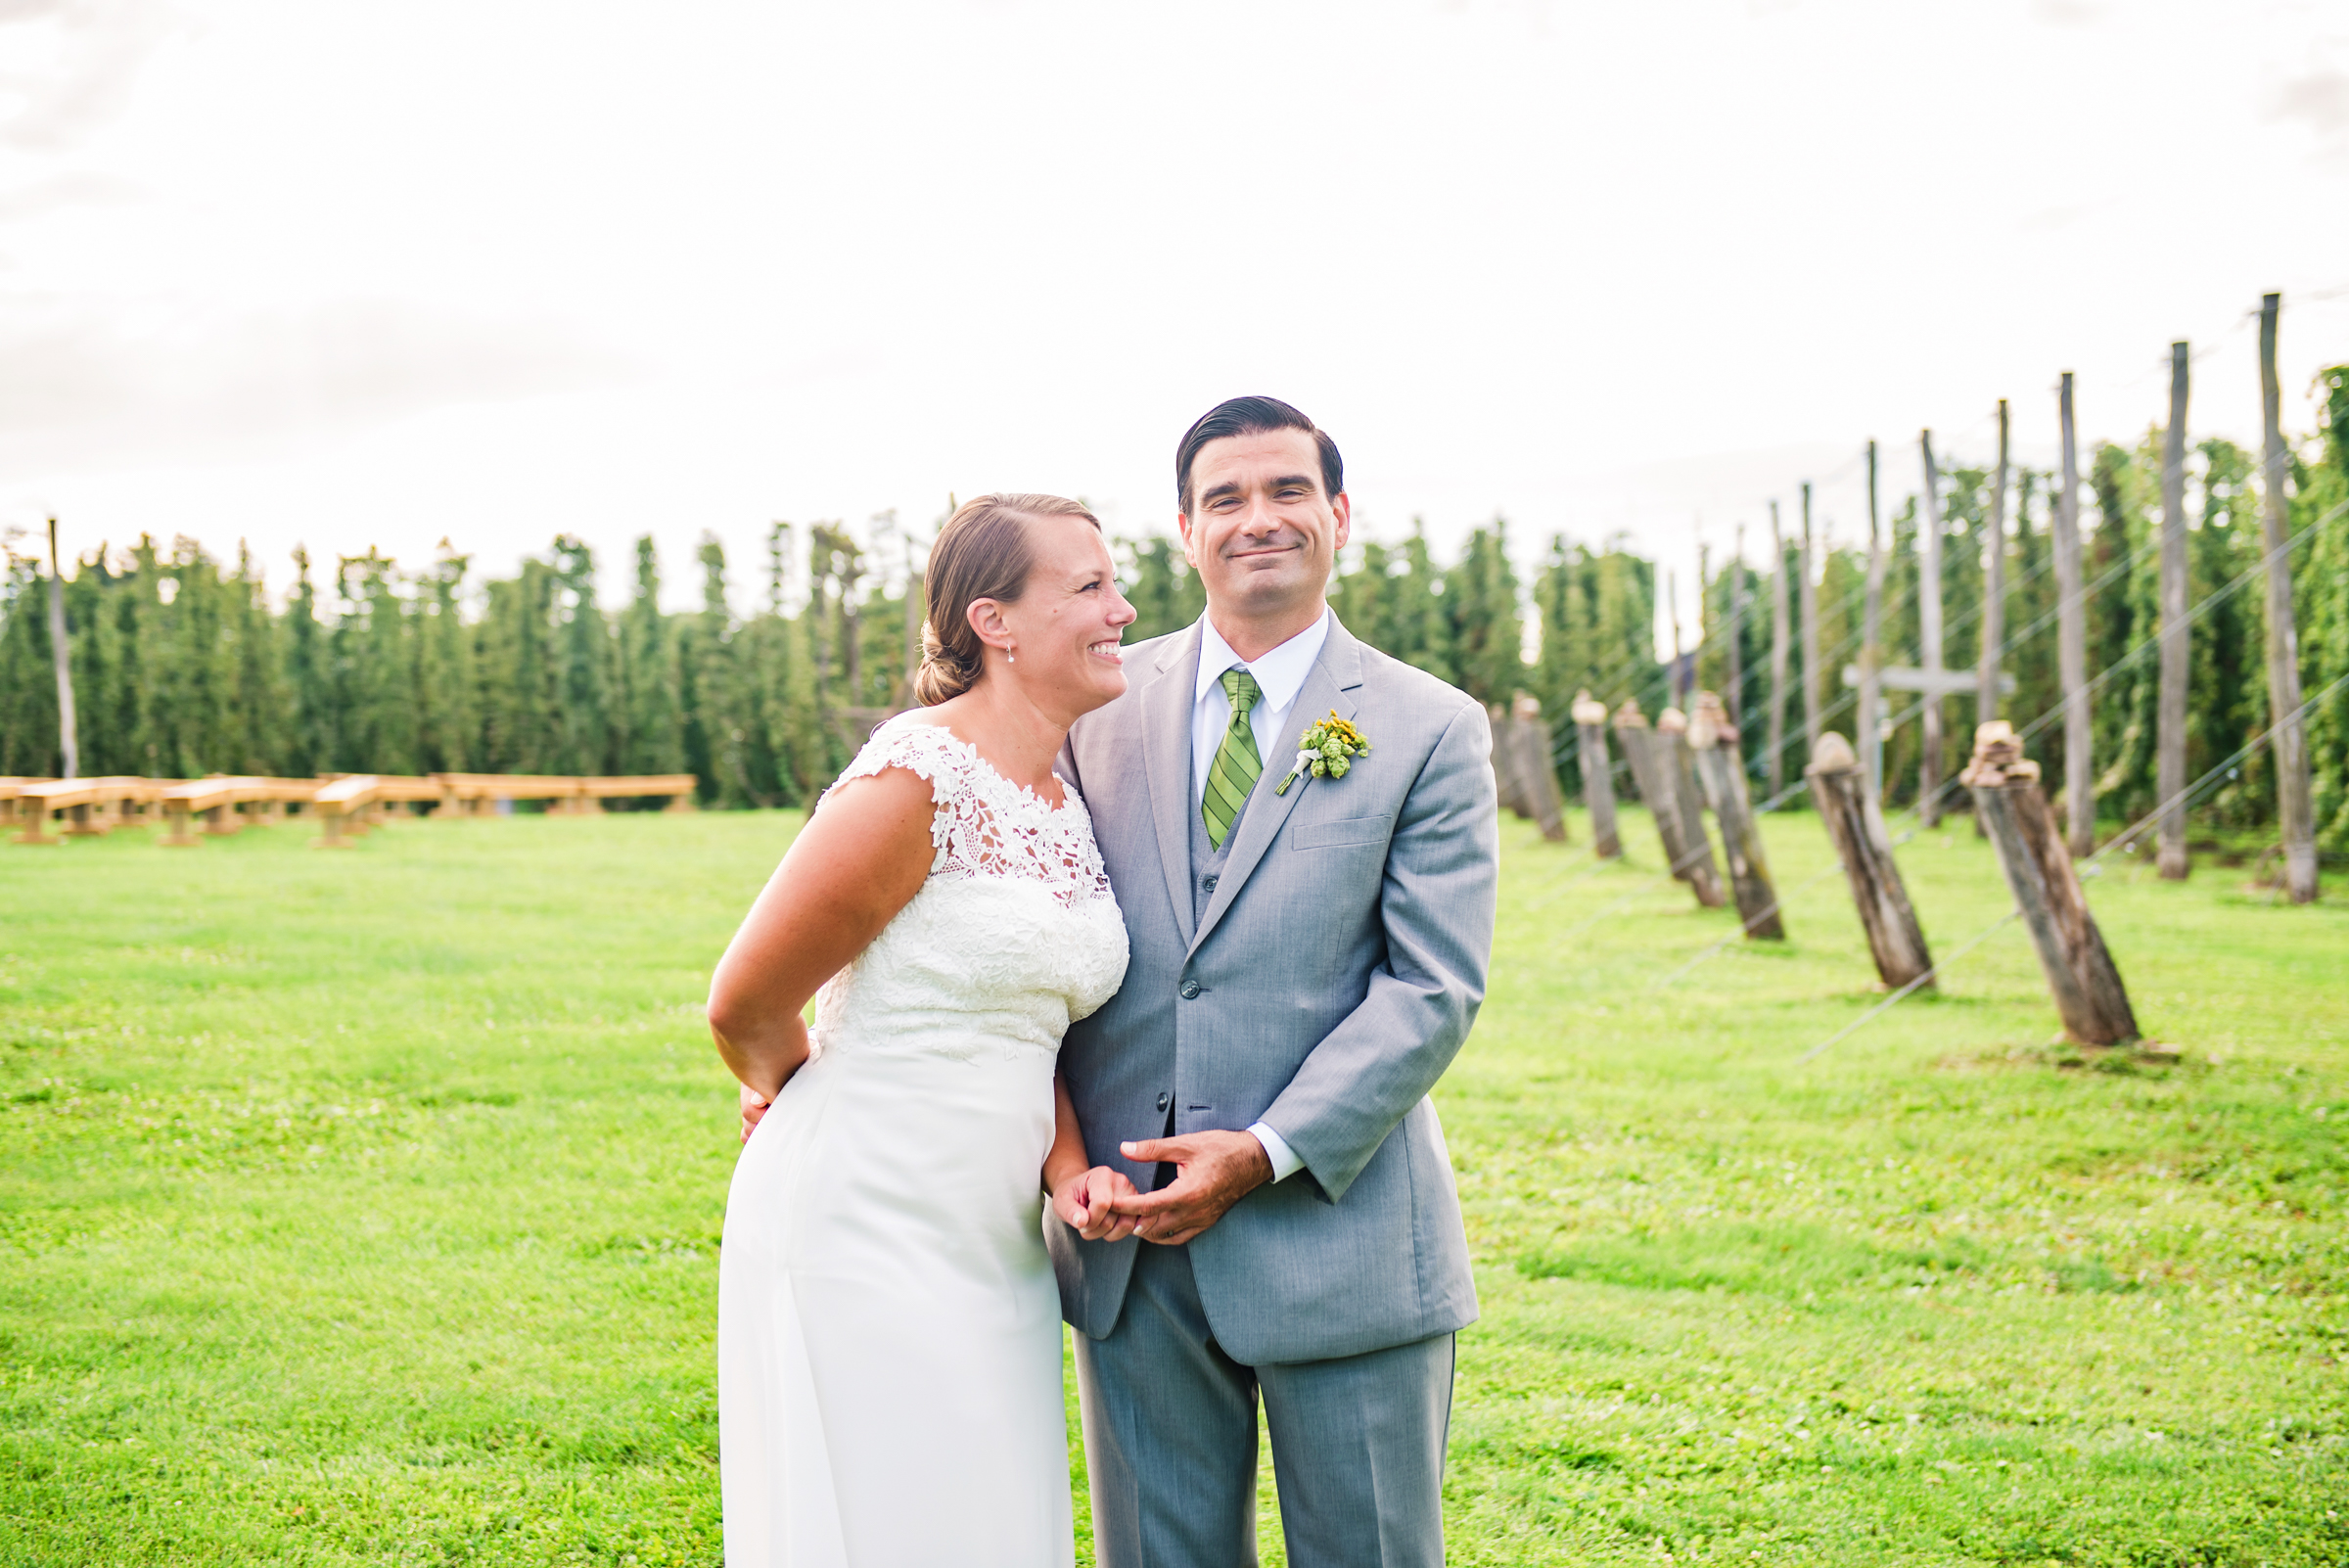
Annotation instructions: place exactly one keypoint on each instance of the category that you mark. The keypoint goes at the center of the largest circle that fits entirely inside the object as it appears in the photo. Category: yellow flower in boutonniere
(1326, 749)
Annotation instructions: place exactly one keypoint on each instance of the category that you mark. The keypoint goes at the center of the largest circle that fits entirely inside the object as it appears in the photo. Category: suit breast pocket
(1343, 831)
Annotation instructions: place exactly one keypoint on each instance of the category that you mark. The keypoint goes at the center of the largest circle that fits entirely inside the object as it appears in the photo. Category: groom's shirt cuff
(1285, 1163)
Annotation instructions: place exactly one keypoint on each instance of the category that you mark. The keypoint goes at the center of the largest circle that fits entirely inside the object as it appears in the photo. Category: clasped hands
(1213, 1171)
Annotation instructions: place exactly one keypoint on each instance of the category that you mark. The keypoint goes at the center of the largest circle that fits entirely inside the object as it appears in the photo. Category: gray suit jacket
(1330, 981)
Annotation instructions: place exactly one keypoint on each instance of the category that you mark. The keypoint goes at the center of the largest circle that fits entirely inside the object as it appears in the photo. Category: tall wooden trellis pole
(2071, 646)
(1779, 648)
(2169, 738)
(1929, 617)
(2295, 806)
(1871, 648)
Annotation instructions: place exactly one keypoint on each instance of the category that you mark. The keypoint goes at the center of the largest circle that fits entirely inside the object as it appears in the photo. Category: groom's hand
(1212, 1172)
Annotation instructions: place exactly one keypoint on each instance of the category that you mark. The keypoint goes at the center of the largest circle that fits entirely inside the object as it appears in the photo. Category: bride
(888, 1328)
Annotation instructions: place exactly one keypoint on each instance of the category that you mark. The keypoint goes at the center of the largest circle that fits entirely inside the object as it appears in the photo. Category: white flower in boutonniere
(1326, 749)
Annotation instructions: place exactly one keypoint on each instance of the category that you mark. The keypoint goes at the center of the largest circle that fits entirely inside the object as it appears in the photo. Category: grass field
(363, 1208)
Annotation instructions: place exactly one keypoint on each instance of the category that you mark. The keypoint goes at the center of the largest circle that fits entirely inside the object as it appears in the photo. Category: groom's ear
(1183, 526)
(1341, 505)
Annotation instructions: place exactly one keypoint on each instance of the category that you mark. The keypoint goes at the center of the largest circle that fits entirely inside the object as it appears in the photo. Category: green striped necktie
(1236, 767)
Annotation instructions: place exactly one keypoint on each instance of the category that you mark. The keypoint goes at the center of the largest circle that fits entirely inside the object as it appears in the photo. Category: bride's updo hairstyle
(984, 551)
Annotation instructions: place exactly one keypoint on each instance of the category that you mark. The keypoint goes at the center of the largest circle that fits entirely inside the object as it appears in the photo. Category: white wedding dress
(888, 1328)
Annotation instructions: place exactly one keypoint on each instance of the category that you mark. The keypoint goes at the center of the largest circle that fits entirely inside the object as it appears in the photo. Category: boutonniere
(1326, 749)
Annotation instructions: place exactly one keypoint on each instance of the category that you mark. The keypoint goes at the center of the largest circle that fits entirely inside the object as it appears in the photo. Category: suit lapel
(1167, 766)
(1336, 676)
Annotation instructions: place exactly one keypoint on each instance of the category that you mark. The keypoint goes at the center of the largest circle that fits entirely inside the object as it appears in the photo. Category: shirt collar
(1279, 674)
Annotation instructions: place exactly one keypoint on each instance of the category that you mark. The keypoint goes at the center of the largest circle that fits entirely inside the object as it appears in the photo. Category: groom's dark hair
(1253, 416)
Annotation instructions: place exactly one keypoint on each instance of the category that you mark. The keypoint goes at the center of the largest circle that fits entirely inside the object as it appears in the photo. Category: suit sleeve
(1436, 902)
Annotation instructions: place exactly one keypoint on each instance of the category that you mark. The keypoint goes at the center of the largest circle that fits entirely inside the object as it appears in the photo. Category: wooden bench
(474, 794)
(353, 803)
(216, 800)
(9, 789)
(346, 805)
(679, 788)
(91, 805)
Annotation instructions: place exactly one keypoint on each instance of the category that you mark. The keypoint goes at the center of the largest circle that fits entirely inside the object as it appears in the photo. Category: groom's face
(1261, 532)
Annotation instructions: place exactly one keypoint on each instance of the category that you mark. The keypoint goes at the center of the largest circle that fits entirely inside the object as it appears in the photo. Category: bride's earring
(1010, 658)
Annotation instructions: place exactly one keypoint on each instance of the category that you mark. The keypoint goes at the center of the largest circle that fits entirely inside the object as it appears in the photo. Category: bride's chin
(1109, 690)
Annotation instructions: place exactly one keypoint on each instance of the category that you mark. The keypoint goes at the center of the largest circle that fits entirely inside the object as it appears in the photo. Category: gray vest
(1207, 867)
(1207, 861)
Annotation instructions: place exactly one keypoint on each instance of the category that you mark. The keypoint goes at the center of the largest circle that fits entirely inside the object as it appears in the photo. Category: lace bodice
(1014, 936)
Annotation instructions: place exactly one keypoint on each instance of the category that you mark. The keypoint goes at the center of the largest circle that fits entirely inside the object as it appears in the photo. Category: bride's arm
(853, 866)
(1082, 1195)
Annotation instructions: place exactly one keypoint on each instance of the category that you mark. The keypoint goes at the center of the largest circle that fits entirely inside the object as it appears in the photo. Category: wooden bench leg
(35, 821)
(330, 830)
(176, 821)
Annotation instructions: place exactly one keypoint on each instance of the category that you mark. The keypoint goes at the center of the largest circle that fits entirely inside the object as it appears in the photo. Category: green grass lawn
(363, 1208)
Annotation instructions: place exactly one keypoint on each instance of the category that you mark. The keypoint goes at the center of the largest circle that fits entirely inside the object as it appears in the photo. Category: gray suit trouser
(1169, 1441)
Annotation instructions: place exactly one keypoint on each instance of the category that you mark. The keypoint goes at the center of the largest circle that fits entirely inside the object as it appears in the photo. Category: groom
(1306, 959)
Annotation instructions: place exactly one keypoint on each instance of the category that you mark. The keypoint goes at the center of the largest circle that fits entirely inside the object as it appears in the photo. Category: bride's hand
(1083, 1202)
(754, 1106)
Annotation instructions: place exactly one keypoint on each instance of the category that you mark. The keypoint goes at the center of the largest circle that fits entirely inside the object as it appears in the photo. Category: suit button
(1189, 989)
(1209, 883)
(1162, 1103)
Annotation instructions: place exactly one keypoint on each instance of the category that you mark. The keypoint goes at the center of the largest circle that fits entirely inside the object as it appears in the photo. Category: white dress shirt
(1279, 676)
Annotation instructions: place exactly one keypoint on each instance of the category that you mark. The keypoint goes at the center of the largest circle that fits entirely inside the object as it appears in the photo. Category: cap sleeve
(930, 752)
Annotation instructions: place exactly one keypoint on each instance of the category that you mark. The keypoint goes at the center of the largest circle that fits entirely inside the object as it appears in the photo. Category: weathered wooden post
(1928, 620)
(1994, 588)
(1839, 789)
(2296, 807)
(1721, 772)
(1780, 633)
(1599, 781)
(1677, 765)
(2088, 990)
(1737, 618)
(1807, 601)
(1871, 727)
(1507, 778)
(1538, 774)
(1682, 676)
(1637, 744)
(2071, 645)
(2169, 731)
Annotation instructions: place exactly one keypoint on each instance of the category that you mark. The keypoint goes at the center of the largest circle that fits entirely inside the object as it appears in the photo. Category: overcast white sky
(373, 274)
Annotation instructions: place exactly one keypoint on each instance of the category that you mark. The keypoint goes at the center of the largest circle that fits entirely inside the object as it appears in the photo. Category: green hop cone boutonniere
(1326, 749)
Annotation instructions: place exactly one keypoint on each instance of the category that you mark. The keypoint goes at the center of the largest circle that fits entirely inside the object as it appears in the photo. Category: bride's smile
(1060, 640)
